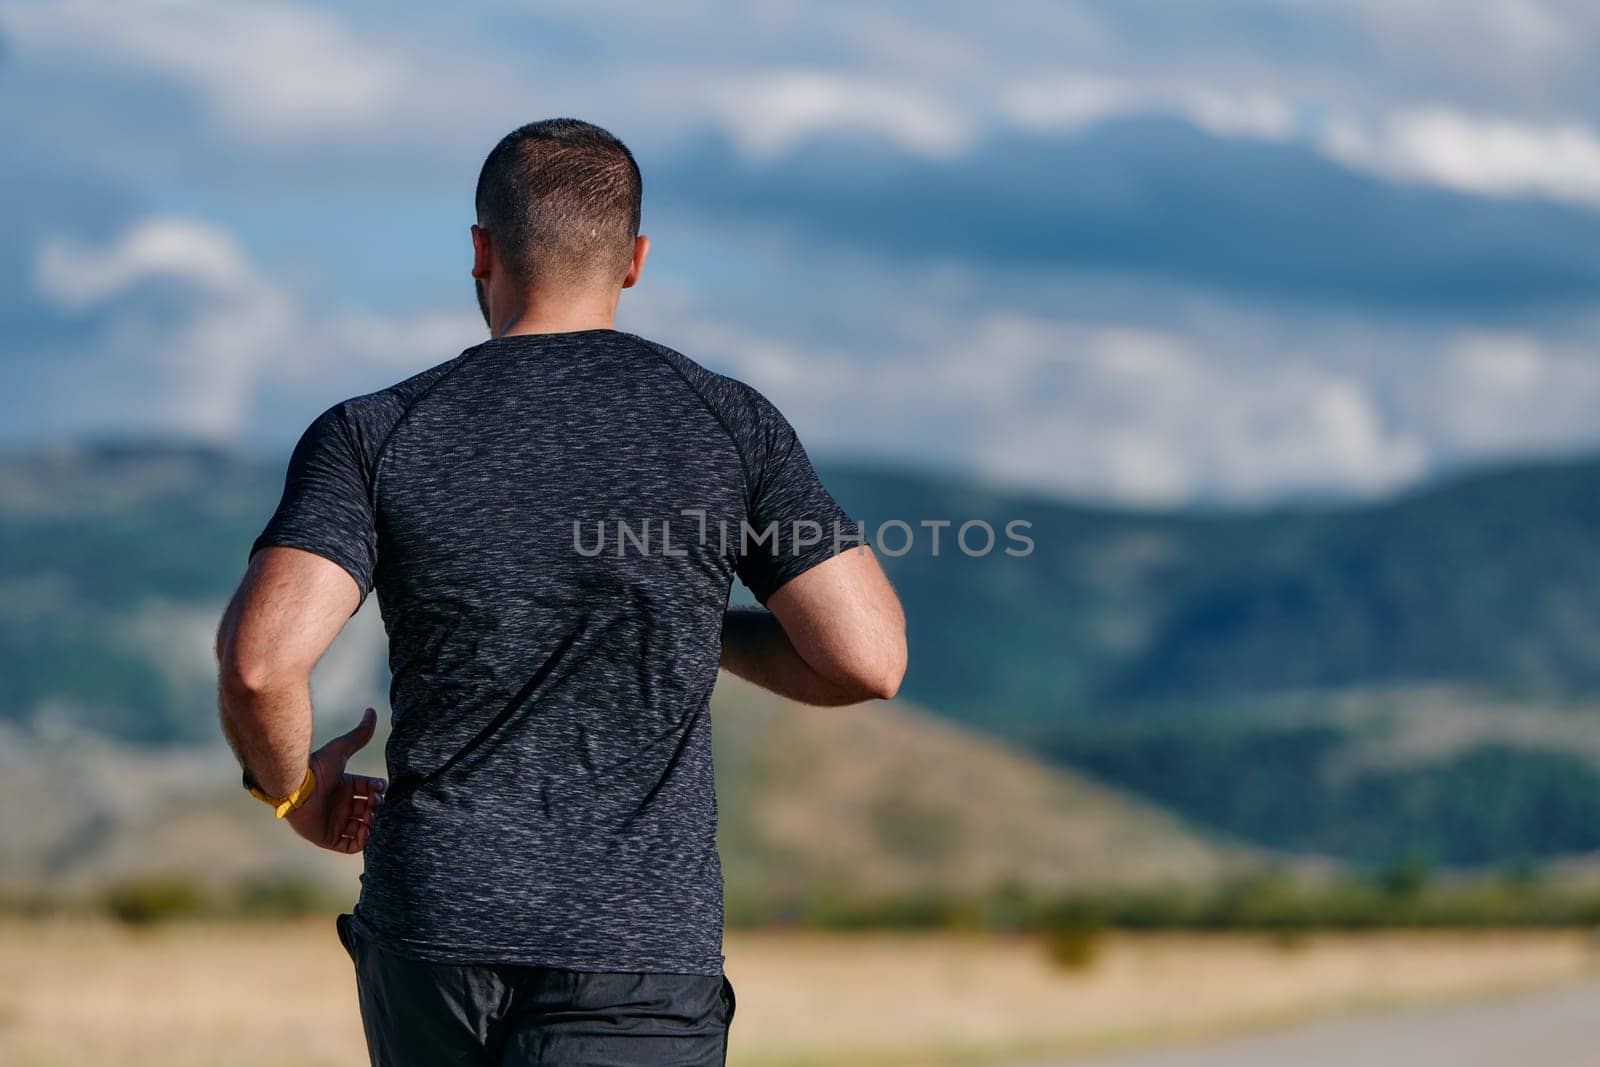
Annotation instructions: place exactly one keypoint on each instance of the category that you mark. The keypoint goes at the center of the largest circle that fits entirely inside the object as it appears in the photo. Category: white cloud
(1434, 30)
(197, 358)
(191, 333)
(1143, 416)
(1483, 155)
(411, 342)
(1499, 392)
(1083, 407)
(276, 74)
(193, 369)
(1214, 404)
(77, 275)
(1261, 115)
(271, 68)
(768, 113)
(1448, 147)
(1069, 102)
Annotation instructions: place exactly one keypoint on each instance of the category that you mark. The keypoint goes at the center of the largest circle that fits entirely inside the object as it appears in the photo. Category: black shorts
(419, 1014)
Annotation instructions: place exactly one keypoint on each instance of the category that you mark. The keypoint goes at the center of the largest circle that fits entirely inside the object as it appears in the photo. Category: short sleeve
(794, 523)
(327, 503)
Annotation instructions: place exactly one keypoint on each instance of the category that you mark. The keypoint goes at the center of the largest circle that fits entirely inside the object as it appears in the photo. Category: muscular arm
(833, 635)
(289, 608)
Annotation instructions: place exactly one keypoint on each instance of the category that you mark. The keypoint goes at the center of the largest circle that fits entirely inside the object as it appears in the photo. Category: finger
(347, 841)
(365, 803)
(348, 744)
(342, 802)
(368, 787)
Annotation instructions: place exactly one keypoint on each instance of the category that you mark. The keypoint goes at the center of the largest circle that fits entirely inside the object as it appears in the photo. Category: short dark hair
(560, 199)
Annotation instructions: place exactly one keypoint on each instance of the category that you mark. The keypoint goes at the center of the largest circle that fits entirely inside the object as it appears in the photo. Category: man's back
(555, 523)
(552, 522)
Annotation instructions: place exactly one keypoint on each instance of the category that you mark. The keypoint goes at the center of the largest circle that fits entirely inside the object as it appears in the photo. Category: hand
(339, 814)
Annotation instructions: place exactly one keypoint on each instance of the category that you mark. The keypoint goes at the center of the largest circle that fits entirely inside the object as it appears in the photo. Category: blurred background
(1277, 319)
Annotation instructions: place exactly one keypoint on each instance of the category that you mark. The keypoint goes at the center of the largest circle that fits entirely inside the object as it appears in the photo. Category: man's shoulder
(730, 399)
(369, 418)
(392, 401)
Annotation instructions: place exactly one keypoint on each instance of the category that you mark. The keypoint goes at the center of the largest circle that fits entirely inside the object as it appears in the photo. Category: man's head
(558, 213)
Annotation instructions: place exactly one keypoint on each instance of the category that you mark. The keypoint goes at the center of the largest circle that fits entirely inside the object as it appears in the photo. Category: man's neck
(557, 313)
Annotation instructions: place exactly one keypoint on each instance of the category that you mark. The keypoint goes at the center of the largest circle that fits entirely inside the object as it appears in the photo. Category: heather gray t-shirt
(552, 524)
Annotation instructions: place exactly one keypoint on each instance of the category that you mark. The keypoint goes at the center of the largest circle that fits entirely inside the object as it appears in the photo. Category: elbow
(890, 678)
(880, 678)
(884, 688)
(894, 669)
(241, 680)
(246, 677)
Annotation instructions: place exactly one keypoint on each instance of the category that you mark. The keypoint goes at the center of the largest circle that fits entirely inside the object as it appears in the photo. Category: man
(552, 522)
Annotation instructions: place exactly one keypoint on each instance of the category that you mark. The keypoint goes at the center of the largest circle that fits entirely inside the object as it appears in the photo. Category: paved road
(1554, 1028)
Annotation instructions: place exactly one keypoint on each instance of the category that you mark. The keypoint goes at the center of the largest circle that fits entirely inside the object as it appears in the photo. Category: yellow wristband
(294, 801)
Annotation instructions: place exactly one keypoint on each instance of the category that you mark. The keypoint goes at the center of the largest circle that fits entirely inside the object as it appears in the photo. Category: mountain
(1490, 581)
(115, 561)
(883, 799)
(1415, 677)
(844, 804)
(1412, 677)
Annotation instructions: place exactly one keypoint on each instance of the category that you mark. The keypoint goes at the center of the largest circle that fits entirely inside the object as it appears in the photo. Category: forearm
(269, 729)
(755, 648)
(283, 617)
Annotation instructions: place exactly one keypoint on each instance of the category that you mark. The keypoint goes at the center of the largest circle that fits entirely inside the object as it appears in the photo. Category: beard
(483, 300)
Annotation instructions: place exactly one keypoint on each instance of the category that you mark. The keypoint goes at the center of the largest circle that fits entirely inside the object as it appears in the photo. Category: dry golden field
(264, 995)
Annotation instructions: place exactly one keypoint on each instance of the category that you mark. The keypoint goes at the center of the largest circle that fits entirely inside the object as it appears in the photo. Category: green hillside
(1490, 581)
(1258, 671)
(1414, 677)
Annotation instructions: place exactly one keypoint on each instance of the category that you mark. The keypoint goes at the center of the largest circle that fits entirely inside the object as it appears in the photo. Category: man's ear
(482, 253)
(641, 252)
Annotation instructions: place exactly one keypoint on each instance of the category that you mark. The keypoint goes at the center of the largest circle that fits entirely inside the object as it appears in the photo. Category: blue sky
(1157, 252)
